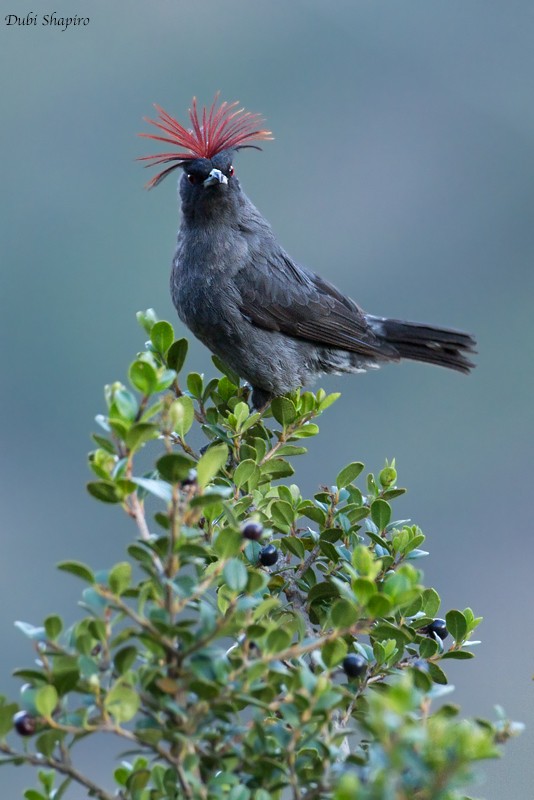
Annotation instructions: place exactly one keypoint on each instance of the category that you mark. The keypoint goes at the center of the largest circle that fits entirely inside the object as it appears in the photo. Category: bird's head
(207, 148)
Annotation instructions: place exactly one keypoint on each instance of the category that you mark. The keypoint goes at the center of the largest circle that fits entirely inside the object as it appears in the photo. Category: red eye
(231, 171)
(191, 178)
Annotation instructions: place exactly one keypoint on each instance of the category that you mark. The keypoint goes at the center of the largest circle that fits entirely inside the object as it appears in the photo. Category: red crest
(216, 129)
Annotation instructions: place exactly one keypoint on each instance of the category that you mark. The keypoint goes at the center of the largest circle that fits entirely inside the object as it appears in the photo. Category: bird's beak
(215, 176)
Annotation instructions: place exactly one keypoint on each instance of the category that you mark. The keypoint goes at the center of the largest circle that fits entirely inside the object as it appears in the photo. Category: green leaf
(322, 591)
(195, 384)
(348, 787)
(343, 613)
(362, 559)
(174, 467)
(459, 655)
(147, 319)
(431, 602)
(176, 354)
(209, 498)
(294, 546)
(104, 443)
(46, 699)
(125, 403)
(157, 488)
(122, 703)
(225, 369)
(456, 625)
(436, 673)
(292, 450)
(228, 543)
(334, 652)
(328, 400)
(105, 491)
(78, 569)
(428, 648)
(118, 426)
(211, 462)
(53, 626)
(182, 415)
(124, 659)
(161, 336)
(282, 513)
(143, 376)
(309, 429)
(313, 512)
(6, 718)
(166, 378)
(244, 472)
(120, 577)
(364, 589)
(349, 474)
(380, 513)
(283, 410)
(140, 433)
(277, 468)
(34, 632)
(235, 575)
(379, 606)
(278, 640)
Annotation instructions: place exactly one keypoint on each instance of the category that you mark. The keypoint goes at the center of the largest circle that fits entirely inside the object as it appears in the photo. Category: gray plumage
(275, 323)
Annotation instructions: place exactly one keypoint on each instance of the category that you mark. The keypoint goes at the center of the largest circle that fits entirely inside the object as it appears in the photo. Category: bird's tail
(441, 346)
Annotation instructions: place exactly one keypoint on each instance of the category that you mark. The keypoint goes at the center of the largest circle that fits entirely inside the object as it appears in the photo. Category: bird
(274, 322)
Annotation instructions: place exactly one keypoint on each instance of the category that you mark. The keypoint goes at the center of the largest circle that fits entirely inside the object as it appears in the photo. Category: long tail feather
(419, 342)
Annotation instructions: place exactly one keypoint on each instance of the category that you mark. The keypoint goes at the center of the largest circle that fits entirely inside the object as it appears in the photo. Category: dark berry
(24, 723)
(252, 530)
(268, 555)
(354, 665)
(437, 627)
(190, 480)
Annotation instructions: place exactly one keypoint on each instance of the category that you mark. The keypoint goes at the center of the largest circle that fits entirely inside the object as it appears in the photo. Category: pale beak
(215, 176)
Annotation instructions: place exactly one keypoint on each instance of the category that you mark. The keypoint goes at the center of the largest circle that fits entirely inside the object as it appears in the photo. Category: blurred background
(402, 170)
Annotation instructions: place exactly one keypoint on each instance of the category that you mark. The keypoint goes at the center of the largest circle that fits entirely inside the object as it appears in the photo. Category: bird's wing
(278, 295)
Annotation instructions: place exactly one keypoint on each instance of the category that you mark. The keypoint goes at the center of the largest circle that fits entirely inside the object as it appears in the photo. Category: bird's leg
(260, 399)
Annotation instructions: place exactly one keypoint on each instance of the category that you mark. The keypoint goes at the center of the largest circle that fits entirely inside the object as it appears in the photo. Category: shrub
(254, 644)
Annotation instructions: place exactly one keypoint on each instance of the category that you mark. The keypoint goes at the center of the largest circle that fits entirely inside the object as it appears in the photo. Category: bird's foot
(260, 399)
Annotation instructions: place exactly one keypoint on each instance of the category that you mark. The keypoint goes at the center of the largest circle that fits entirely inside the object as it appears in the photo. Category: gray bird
(275, 323)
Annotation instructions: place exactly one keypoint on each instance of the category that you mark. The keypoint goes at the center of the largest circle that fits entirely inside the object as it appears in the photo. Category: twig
(62, 768)
(297, 601)
(142, 622)
(183, 781)
(136, 510)
(175, 439)
(299, 572)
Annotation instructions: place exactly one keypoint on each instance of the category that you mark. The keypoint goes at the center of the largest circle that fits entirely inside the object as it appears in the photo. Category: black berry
(437, 627)
(252, 530)
(268, 555)
(24, 723)
(191, 478)
(354, 665)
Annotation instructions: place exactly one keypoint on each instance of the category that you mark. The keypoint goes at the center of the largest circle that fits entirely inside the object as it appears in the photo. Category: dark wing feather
(278, 295)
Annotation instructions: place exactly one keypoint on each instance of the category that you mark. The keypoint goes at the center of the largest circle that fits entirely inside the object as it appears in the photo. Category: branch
(136, 510)
(61, 767)
(142, 622)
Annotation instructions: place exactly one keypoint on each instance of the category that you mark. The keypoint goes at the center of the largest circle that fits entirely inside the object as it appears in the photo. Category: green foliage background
(427, 216)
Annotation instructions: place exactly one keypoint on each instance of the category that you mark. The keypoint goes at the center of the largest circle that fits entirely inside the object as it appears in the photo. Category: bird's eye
(230, 171)
(191, 178)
